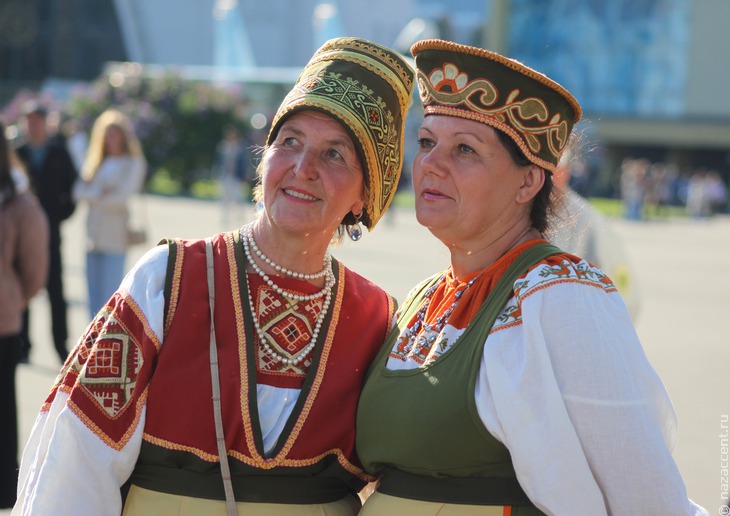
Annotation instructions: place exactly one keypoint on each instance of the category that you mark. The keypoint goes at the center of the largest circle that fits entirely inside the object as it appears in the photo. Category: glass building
(618, 57)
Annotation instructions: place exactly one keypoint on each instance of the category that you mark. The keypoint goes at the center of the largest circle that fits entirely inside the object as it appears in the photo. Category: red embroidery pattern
(102, 374)
(288, 328)
(107, 363)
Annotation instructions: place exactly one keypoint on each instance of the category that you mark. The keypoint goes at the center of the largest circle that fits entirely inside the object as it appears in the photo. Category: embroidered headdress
(476, 84)
(367, 88)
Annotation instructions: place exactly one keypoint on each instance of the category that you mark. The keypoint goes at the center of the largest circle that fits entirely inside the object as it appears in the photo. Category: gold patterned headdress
(476, 84)
(367, 88)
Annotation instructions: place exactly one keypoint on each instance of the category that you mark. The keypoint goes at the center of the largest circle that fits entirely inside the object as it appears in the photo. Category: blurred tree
(179, 122)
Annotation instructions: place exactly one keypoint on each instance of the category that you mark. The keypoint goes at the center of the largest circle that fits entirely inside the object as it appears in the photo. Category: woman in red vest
(514, 382)
(224, 374)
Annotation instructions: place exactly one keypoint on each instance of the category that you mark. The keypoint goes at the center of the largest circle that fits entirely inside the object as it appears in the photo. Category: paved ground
(682, 324)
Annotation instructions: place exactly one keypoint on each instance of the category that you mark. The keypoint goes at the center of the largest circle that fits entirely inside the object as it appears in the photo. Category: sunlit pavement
(684, 280)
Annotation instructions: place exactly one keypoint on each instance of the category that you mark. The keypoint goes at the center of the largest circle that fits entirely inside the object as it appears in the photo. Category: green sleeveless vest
(420, 427)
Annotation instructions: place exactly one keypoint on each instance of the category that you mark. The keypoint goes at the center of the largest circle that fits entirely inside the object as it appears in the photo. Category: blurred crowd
(647, 190)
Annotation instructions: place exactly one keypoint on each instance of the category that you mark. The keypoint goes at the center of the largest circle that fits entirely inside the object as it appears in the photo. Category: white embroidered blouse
(565, 385)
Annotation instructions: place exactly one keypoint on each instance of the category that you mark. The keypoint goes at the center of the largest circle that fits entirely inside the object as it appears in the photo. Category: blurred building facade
(61, 39)
(650, 74)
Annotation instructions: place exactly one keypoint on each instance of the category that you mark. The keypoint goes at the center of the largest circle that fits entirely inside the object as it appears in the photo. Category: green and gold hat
(476, 84)
(367, 88)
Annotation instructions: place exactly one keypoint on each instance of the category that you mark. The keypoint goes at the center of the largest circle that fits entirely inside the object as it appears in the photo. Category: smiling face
(312, 176)
(468, 188)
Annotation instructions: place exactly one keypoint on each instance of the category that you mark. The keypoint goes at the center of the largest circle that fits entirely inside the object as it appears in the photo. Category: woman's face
(312, 176)
(113, 141)
(466, 184)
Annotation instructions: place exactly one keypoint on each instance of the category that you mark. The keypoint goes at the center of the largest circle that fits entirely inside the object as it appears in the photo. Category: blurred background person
(658, 190)
(633, 187)
(716, 193)
(579, 229)
(230, 168)
(52, 175)
(697, 204)
(77, 142)
(23, 271)
(113, 172)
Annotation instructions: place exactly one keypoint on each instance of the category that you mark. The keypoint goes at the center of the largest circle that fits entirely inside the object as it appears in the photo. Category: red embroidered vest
(314, 460)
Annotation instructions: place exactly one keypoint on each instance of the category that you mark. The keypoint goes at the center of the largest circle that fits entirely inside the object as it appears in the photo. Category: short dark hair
(34, 107)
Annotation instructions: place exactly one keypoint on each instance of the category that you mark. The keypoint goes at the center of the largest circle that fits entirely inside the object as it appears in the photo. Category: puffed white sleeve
(86, 439)
(570, 392)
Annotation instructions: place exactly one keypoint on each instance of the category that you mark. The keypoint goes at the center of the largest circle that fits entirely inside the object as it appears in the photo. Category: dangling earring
(355, 230)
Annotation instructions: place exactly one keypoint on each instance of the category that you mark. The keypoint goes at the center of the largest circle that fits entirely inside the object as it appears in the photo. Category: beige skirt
(143, 502)
(379, 504)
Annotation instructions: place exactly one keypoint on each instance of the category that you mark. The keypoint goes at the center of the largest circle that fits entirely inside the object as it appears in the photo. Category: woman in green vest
(514, 382)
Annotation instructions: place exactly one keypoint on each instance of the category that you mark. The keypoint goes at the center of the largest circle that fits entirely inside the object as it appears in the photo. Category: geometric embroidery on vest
(288, 327)
(112, 363)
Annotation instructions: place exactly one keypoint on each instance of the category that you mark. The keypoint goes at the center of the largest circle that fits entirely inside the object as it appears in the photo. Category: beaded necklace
(422, 335)
(282, 269)
(248, 241)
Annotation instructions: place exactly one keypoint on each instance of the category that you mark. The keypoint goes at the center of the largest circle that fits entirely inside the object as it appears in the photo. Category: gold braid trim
(231, 240)
(149, 332)
(437, 44)
(96, 430)
(336, 309)
(494, 122)
(169, 445)
(403, 93)
(261, 463)
(395, 63)
(175, 287)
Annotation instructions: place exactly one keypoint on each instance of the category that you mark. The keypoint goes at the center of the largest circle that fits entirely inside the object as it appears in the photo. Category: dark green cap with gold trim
(476, 84)
(367, 88)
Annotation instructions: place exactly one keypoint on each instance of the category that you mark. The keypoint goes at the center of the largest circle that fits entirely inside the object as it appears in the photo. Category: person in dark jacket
(52, 176)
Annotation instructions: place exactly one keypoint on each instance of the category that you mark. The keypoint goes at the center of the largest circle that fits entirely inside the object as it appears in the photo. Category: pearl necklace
(263, 338)
(248, 241)
(282, 269)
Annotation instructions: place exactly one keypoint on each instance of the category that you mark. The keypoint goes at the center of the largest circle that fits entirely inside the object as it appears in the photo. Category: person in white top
(113, 172)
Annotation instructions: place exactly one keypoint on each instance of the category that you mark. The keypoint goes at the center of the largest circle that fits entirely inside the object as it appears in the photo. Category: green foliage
(179, 122)
(612, 208)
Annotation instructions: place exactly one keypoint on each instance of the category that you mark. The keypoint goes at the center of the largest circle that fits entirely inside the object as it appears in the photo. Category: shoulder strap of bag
(217, 413)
